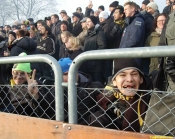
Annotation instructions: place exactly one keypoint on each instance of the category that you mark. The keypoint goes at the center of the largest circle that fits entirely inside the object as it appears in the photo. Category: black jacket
(113, 35)
(86, 99)
(46, 46)
(76, 29)
(64, 52)
(94, 40)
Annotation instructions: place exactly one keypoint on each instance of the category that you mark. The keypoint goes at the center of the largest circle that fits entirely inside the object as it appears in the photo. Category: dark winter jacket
(46, 46)
(88, 12)
(28, 46)
(76, 28)
(114, 34)
(149, 20)
(94, 40)
(86, 99)
(134, 33)
(56, 28)
(64, 52)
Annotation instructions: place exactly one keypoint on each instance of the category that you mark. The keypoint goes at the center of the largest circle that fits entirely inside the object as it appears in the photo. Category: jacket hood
(27, 43)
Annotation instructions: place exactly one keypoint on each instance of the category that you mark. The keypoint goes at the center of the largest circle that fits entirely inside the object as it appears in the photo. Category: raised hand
(32, 85)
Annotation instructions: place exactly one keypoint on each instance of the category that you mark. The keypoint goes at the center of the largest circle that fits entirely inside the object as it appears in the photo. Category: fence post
(59, 95)
(139, 52)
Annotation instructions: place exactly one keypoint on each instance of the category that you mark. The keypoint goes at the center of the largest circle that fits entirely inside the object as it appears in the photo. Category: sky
(71, 5)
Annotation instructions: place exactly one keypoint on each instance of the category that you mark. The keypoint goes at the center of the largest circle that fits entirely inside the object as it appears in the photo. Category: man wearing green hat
(26, 96)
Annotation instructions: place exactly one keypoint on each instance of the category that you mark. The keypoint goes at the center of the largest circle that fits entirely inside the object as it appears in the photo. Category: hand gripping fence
(142, 52)
(59, 97)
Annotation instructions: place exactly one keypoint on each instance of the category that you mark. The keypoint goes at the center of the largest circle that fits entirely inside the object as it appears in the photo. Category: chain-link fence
(148, 111)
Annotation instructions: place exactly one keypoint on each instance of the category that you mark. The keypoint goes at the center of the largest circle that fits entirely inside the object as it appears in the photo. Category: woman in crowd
(73, 47)
(64, 38)
(154, 38)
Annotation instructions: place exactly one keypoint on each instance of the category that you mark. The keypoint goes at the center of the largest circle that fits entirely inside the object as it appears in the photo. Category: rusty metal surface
(22, 127)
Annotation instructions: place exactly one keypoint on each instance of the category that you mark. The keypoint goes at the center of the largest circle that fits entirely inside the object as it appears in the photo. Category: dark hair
(8, 26)
(48, 29)
(40, 22)
(101, 7)
(55, 15)
(22, 33)
(155, 21)
(24, 25)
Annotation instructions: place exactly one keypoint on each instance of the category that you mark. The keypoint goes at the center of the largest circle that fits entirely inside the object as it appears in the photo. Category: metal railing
(142, 52)
(59, 96)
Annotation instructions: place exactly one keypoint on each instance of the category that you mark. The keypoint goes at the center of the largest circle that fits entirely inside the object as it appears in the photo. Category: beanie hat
(12, 33)
(93, 19)
(120, 65)
(64, 22)
(114, 4)
(22, 66)
(65, 64)
(77, 14)
(153, 5)
(101, 7)
(103, 14)
(146, 2)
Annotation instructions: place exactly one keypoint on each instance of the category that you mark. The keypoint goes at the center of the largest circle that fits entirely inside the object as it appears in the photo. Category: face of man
(90, 24)
(43, 31)
(53, 19)
(19, 77)
(11, 37)
(23, 27)
(101, 19)
(39, 25)
(129, 11)
(75, 19)
(6, 28)
(63, 27)
(127, 80)
(48, 22)
(150, 10)
(117, 15)
(96, 13)
(62, 15)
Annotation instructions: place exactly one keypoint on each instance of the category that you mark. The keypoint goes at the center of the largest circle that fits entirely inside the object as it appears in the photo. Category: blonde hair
(66, 33)
(75, 43)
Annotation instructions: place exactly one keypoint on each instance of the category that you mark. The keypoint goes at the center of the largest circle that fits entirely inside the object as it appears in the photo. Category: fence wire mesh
(147, 111)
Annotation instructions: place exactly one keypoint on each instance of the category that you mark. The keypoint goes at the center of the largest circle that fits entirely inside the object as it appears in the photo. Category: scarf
(158, 30)
(121, 23)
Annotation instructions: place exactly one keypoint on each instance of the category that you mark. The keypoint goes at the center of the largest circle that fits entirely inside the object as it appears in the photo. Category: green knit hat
(22, 66)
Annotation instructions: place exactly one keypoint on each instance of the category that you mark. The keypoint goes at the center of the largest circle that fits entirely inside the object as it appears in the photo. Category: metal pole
(59, 97)
(139, 52)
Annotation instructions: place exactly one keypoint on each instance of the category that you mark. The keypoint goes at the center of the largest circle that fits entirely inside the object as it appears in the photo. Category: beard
(41, 34)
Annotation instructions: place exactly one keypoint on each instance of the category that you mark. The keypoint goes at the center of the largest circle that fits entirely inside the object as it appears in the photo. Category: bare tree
(5, 11)
(32, 8)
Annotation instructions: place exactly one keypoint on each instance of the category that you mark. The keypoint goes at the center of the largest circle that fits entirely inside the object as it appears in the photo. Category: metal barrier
(143, 52)
(59, 98)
